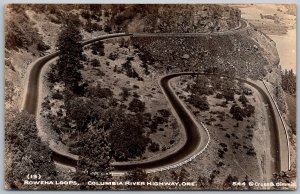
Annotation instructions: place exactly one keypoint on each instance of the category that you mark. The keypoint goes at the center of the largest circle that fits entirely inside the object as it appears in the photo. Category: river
(286, 47)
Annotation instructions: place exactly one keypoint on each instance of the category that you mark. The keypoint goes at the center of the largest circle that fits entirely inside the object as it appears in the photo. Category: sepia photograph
(150, 97)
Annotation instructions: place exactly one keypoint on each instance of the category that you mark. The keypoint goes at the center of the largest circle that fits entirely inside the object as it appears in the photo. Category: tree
(201, 86)
(95, 63)
(95, 156)
(249, 110)
(136, 106)
(289, 81)
(154, 147)
(125, 93)
(164, 112)
(78, 110)
(126, 134)
(243, 99)
(228, 94)
(199, 102)
(98, 48)
(107, 29)
(237, 112)
(28, 154)
(70, 56)
(229, 180)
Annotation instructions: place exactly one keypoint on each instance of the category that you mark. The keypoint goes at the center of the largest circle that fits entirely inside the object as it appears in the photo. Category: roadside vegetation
(289, 81)
(225, 106)
(103, 102)
(26, 153)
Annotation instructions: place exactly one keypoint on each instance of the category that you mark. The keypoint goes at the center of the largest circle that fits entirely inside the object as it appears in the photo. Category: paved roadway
(197, 137)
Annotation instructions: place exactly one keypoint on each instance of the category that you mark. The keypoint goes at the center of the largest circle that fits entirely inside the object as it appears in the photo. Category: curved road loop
(197, 136)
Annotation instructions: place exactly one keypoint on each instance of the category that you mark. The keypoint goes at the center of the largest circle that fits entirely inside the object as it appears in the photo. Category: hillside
(108, 92)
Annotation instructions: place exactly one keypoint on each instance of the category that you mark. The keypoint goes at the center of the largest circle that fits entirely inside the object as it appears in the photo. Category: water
(286, 46)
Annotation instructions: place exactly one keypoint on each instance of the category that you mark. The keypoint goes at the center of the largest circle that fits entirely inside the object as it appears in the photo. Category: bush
(249, 110)
(86, 14)
(42, 47)
(107, 29)
(229, 180)
(247, 91)
(243, 99)
(91, 27)
(154, 147)
(136, 106)
(164, 113)
(126, 135)
(98, 48)
(201, 87)
(237, 112)
(95, 63)
(228, 94)
(219, 96)
(125, 93)
(251, 152)
(199, 102)
(103, 92)
(27, 153)
(130, 71)
(113, 56)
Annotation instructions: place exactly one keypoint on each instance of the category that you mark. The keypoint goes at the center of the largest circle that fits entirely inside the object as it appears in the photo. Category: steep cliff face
(176, 18)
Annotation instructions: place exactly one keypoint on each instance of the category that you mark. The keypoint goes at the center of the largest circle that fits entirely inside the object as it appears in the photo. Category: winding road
(196, 135)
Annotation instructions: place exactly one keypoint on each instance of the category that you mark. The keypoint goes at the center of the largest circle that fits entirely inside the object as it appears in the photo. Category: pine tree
(70, 56)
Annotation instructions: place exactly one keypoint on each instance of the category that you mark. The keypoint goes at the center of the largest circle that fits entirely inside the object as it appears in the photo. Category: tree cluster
(239, 113)
(21, 34)
(199, 102)
(289, 81)
(27, 153)
(98, 48)
(127, 137)
(130, 71)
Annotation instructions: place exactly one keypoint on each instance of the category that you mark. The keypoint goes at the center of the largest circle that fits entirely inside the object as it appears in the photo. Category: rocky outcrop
(176, 18)
(247, 52)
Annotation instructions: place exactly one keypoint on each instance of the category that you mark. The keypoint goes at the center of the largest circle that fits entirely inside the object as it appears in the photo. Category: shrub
(95, 63)
(237, 112)
(113, 56)
(125, 93)
(164, 112)
(249, 110)
(154, 147)
(98, 48)
(107, 29)
(136, 106)
(199, 102)
(126, 135)
(219, 96)
(130, 71)
(104, 92)
(243, 99)
(228, 94)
